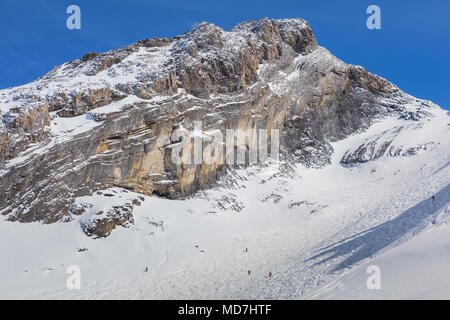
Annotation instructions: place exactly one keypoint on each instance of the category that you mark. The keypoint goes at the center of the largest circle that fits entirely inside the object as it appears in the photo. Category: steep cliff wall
(109, 119)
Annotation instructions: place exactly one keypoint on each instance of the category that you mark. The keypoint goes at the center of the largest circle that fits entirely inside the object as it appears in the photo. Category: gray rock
(264, 74)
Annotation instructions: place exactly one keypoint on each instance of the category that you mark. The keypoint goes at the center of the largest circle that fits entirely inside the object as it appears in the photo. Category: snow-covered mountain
(86, 156)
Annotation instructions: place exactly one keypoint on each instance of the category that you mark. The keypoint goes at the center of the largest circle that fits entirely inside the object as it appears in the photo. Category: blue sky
(412, 49)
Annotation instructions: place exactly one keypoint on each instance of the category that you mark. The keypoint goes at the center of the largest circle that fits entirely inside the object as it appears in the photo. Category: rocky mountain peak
(107, 119)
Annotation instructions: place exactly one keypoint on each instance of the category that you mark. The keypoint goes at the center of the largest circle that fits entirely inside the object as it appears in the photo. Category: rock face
(385, 144)
(109, 119)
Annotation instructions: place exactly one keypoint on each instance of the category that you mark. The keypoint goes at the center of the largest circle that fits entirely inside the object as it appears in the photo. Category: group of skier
(270, 273)
(360, 214)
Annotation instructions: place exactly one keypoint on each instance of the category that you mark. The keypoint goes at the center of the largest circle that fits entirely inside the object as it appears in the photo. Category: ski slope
(316, 230)
(417, 269)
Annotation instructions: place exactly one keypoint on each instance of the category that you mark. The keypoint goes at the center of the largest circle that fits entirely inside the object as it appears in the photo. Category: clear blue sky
(411, 50)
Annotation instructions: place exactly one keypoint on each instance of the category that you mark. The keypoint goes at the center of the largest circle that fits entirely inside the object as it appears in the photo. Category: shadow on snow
(366, 243)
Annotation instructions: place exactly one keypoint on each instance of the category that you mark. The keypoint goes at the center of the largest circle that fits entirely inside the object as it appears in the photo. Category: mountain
(91, 145)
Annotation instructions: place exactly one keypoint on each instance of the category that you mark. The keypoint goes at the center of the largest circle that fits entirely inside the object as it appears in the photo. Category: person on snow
(432, 197)
(270, 274)
(248, 272)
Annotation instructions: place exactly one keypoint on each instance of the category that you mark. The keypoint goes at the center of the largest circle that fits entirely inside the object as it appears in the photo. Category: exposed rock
(414, 115)
(102, 227)
(274, 197)
(384, 145)
(84, 101)
(155, 42)
(89, 56)
(109, 119)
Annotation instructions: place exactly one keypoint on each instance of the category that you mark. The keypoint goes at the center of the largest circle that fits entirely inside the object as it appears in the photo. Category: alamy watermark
(374, 20)
(210, 147)
(374, 280)
(74, 20)
(74, 280)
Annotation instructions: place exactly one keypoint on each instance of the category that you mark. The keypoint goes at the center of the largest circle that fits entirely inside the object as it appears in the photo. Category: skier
(146, 269)
(270, 274)
(246, 249)
(432, 197)
(248, 272)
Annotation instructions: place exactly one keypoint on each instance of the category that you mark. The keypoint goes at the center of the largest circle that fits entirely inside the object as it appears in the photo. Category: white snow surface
(316, 231)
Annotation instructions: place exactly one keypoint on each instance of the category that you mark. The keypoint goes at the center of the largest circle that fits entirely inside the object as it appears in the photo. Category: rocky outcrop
(394, 142)
(106, 222)
(111, 119)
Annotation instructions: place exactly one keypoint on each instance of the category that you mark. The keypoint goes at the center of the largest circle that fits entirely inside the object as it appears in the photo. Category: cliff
(108, 120)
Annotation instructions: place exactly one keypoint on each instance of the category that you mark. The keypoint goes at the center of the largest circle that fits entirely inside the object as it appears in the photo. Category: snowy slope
(316, 230)
(417, 269)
